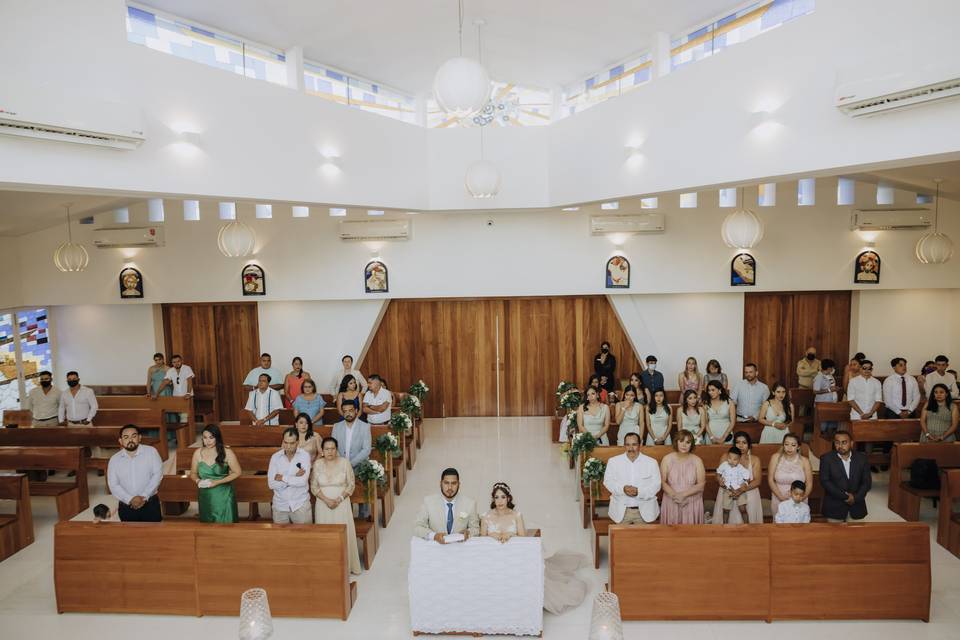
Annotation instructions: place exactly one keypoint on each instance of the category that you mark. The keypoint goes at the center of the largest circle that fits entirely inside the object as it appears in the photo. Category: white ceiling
(401, 43)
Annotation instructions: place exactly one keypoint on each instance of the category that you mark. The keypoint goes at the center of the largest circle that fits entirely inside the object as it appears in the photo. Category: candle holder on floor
(605, 623)
(255, 620)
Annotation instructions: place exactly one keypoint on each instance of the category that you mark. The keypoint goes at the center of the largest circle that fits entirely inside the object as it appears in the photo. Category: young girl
(691, 416)
(628, 415)
(658, 419)
(690, 377)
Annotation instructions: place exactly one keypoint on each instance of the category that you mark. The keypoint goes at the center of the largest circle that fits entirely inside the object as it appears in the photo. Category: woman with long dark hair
(742, 441)
(214, 468)
(349, 393)
(776, 415)
(293, 382)
(938, 420)
(721, 414)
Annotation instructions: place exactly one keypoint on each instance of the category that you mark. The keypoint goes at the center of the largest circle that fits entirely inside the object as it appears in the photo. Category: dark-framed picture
(618, 273)
(866, 268)
(743, 270)
(131, 284)
(253, 280)
(375, 277)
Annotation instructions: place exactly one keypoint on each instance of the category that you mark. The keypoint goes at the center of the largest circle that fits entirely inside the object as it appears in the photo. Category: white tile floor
(514, 450)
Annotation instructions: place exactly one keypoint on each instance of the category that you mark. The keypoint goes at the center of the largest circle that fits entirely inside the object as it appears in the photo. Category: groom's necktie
(449, 517)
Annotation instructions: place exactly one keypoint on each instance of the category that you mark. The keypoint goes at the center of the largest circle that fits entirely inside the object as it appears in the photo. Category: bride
(562, 589)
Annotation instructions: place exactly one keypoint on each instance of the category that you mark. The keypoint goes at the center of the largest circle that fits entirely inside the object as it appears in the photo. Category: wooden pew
(206, 408)
(16, 529)
(863, 431)
(366, 528)
(204, 568)
(147, 413)
(802, 399)
(286, 417)
(17, 418)
(72, 496)
(903, 499)
(948, 520)
(859, 571)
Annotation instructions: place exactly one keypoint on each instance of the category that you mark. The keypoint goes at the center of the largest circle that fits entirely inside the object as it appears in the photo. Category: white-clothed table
(477, 586)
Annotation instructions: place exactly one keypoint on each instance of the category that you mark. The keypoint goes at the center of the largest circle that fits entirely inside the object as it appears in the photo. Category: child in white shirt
(795, 510)
(732, 477)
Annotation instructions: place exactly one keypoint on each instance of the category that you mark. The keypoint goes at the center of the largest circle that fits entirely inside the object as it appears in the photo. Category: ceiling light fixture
(742, 229)
(483, 177)
(461, 85)
(70, 256)
(935, 247)
(235, 239)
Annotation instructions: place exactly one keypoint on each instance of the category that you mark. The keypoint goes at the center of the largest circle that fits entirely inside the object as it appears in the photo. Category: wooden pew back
(948, 520)
(251, 459)
(899, 499)
(65, 437)
(16, 530)
(17, 417)
(72, 496)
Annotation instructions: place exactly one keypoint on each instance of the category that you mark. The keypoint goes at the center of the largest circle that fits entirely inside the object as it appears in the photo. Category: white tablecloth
(477, 586)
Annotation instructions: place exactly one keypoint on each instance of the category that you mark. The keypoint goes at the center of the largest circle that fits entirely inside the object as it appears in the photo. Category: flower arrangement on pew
(371, 470)
(419, 389)
(593, 471)
(582, 443)
(411, 405)
(401, 422)
(571, 399)
(388, 445)
(562, 388)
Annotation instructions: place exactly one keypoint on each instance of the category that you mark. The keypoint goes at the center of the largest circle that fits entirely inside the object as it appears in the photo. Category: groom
(447, 513)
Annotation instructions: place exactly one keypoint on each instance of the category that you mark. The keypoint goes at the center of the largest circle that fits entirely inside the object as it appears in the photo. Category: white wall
(11, 290)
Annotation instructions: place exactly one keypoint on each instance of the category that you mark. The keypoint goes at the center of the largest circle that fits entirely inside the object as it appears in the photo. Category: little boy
(102, 513)
(732, 477)
(795, 510)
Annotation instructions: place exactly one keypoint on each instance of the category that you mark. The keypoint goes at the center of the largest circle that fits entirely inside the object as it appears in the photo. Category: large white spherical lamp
(70, 256)
(483, 179)
(461, 86)
(742, 229)
(934, 248)
(236, 240)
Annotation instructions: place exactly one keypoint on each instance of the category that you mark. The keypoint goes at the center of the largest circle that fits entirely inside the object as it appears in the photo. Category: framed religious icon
(131, 284)
(253, 280)
(618, 273)
(375, 277)
(866, 268)
(743, 270)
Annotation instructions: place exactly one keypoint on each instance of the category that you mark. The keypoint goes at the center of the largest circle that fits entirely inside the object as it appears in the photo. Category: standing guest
(353, 436)
(307, 440)
(652, 379)
(593, 415)
(264, 403)
(825, 389)
(332, 482)
(78, 404)
(748, 394)
(214, 468)
(845, 477)
(751, 463)
(178, 378)
(349, 393)
(348, 370)
(44, 402)
(807, 369)
(864, 394)
(593, 382)
(628, 414)
(683, 481)
(787, 466)
(852, 369)
(266, 367)
(721, 414)
(133, 477)
(605, 364)
(690, 378)
(658, 419)
(941, 376)
(288, 476)
(901, 393)
(691, 415)
(733, 480)
(928, 367)
(156, 373)
(310, 402)
(377, 401)
(643, 394)
(633, 481)
(293, 382)
(938, 420)
(715, 372)
(795, 510)
(776, 415)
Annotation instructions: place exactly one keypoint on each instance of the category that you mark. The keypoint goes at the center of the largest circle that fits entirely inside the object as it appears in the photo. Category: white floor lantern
(70, 256)
(461, 86)
(236, 240)
(935, 247)
(742, 229)
(483, 179)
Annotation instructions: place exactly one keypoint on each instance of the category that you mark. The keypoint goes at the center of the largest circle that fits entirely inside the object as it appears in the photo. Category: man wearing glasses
(864, 394)
(180, 377)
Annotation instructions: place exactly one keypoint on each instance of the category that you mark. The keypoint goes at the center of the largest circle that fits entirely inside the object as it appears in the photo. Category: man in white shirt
(864, 394)
(263, 403)
(447, 513)
(266, 367)
(941, 376)
(633, 480)
(180, 377)
(347, 370)
(749, 393)
(825, 389)
(288, 475)
(377, 401)
(78, 405)
(133, 477)
(44, 402)
(901, 393)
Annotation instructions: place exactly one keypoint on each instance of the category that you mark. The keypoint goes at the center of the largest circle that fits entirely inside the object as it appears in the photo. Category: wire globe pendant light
(482, 179)
(235, 239)
(742, 229)
(935, 247)
(461, 85)
(70, 256)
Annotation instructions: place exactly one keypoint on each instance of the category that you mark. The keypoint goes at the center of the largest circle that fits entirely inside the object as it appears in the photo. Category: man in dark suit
(845, 476)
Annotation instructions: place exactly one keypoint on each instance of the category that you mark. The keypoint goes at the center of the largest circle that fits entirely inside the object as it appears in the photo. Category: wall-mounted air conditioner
(126, 237)
(33, 113)
(891, 219)
(374, 229)
(898, 91)
(639, 223)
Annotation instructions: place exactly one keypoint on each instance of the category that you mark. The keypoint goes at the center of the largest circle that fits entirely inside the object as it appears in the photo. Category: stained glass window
(610, 83)
(24, 353)
(343, 88)
(9, 376)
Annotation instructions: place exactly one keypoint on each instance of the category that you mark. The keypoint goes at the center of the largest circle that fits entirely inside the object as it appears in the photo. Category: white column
(661, 55)
(294, 56)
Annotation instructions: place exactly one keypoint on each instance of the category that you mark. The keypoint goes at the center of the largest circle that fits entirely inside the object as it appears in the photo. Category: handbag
(925, 474)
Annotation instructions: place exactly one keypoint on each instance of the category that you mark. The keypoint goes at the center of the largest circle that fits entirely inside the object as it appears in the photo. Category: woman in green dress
(155, 375)
(214, 469)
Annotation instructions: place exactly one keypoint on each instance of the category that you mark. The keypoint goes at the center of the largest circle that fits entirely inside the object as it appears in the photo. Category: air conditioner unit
(34, 113)
(639, 223)
(891, 219)
(898, 91)
(374, 229)
(126, 237)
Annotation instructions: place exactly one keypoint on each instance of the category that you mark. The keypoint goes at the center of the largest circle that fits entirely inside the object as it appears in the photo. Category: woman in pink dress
(786, 466)
(683, 481)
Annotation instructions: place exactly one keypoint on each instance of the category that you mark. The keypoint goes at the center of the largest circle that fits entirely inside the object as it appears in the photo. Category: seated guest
(133, 477)
(349, 394)
(264, 403)
(787, 466)
(940, 375)
(721, 414)
(691, 415)
(658, 419)
(293, 382)
(807, 369)
(864, 394)
(178, 378)
(332, 482)
(748, 394)
(715, 372)
(609, 391)
(652, 379)
(633, 481)
(776, 415)
(845, 477)
(156, 373)
(347, 370)
(643, 394)
(825, 389)
(593, 415)
(502, 522)
(938, 420)
(593, 382)
(683, 481)
(43, 401)
(78, 404)
(214, 468)
(733, 485)
(307, 440)
(628, 414)
(310, 402)
(377, 402)
(901, 393)
(266, 367)
(288, 476)
(795, 510)
(447, 513)
(102, 513)
(690, 377)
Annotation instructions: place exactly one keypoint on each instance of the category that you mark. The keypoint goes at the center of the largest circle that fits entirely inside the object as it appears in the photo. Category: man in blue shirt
(749, 394)
(652, 379)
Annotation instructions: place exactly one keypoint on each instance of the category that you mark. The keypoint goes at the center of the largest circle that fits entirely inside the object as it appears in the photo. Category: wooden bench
(162, 414)
(863, 431)
(802, 399)
(903, 499)
(196, 568)
(16, 529)
(72, 496)
(948, 518)
(17, 418)
(205, 406)
(858, 571)
(286, 417)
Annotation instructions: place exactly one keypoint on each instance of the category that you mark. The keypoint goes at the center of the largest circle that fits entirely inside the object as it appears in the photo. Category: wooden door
(469, 356)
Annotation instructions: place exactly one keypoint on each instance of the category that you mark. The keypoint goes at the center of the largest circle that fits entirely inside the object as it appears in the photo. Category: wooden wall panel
(469, 356)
